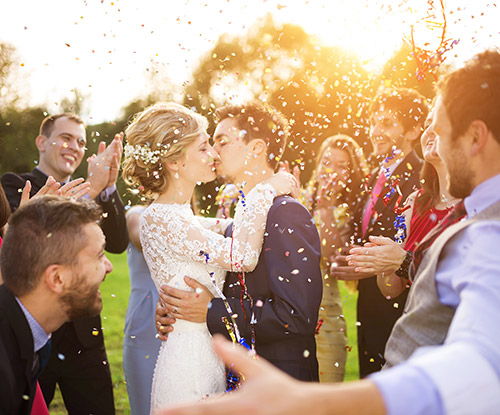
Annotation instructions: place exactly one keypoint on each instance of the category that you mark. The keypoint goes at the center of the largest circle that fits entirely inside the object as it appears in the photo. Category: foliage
(18, 130)
(322, 90)
(8, 60)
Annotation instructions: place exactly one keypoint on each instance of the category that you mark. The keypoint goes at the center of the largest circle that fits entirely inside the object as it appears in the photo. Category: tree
(18, 130)
(320, 89)
(8, 60)
(400, 71)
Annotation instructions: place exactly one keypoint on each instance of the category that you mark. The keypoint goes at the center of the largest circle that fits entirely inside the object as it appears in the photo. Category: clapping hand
(380, 255)
(103, 168)
(75, 189)
(341, 270)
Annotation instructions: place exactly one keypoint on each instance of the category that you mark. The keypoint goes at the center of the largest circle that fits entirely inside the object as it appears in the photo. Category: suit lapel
(39, 179)
(401, 173)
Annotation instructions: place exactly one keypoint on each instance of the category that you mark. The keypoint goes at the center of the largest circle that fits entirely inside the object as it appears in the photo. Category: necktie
(370, 206)
(43, 358)
(457, 213)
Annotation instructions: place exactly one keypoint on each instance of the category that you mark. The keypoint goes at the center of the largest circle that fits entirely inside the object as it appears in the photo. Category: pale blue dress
(140, 345)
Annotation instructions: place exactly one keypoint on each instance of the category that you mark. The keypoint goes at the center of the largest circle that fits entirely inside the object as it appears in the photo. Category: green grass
(115, 291)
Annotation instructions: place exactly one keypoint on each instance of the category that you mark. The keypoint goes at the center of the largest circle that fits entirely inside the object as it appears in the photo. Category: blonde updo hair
(158, 135)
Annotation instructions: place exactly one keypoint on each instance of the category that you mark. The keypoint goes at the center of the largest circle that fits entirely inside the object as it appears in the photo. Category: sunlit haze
(107, 49)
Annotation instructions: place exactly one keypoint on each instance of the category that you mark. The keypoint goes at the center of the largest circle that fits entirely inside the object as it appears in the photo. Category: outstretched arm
(258, 395)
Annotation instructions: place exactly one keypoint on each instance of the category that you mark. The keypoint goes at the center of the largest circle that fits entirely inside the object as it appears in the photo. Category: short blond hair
(158, 135)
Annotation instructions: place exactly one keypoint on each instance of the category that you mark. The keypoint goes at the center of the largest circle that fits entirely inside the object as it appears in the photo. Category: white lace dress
(176, 243)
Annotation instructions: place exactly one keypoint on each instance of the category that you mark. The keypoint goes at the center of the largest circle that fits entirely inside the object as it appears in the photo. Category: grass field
(115, 291)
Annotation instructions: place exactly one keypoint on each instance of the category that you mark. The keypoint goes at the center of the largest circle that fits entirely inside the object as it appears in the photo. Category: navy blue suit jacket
(286, 288)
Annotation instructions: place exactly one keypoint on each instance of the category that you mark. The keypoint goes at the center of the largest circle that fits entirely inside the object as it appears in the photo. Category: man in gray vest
(443, 355)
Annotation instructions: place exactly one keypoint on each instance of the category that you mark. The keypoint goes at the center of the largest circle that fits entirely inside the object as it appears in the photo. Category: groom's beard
(224, 179)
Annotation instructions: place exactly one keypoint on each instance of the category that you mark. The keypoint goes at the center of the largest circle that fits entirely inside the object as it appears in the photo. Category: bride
(167, 154)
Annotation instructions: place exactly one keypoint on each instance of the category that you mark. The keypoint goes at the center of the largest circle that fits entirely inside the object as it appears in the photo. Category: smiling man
(397, 118)
(84, 380)
(63, 264)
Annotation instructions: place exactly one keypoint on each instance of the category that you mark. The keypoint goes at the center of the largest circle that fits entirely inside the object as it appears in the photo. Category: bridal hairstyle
(158, 135)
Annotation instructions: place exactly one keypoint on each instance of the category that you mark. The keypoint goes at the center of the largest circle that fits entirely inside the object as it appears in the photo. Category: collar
(37, 169)
(40, 337)
(483, 196)
(388, 170)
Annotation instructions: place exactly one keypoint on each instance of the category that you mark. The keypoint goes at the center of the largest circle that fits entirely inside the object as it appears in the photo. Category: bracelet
(402, 272)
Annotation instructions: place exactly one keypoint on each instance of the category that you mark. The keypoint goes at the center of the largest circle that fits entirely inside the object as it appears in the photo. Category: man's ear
(41, 143)
(478, 133)
(414, 133)
(56, 277)
(258, 146)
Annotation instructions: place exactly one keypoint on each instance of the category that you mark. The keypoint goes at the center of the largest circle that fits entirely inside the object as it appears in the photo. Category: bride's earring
(176, 175)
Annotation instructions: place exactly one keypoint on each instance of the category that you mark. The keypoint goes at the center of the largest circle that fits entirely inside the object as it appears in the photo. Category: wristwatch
(405, 266)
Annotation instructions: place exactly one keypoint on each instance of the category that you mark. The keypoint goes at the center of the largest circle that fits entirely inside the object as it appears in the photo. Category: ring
(367, 252)
(175, 310)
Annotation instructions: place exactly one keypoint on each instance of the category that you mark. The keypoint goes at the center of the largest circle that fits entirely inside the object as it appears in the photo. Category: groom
(279, 307)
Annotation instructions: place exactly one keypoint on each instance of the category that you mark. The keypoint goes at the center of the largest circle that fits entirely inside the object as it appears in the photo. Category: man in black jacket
(78, 361)
(45, 286)
(397, 118)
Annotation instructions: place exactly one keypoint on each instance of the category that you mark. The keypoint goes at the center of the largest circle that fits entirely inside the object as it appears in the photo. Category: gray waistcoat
(425, 321)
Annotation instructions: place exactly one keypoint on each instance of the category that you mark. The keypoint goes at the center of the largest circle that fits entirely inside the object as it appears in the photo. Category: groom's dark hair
(260, 120)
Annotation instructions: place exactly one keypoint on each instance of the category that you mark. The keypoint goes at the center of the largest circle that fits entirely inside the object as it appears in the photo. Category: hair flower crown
(145, 153)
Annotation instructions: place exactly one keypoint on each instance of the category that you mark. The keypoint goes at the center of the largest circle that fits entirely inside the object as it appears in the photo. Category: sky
(107, 49)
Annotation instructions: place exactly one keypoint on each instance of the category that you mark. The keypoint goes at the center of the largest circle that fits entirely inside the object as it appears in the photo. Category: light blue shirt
(40, 337)
(463, 374)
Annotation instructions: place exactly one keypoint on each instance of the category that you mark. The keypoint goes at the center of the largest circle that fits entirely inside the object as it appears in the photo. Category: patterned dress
(176, 243)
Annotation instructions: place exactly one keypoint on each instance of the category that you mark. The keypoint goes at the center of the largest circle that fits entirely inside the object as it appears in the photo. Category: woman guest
(331, 195)
(423, 211)
(140, 343)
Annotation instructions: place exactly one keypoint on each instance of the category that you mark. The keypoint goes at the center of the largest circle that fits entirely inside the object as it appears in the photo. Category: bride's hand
(284, 183)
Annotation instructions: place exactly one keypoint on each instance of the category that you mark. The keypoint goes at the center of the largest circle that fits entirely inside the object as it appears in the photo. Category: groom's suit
(286, 290)
(78, 361)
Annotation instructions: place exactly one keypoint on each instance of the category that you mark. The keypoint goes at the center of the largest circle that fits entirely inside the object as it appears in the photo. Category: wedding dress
(176, 243)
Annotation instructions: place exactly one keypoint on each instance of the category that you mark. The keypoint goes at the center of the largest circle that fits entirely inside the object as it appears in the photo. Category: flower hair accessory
(145, 153)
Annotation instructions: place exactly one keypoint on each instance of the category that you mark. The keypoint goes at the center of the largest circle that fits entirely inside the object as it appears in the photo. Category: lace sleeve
(165, 232)
(218, 225)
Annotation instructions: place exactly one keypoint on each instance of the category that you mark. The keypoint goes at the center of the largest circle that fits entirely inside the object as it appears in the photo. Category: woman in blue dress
(140, 344)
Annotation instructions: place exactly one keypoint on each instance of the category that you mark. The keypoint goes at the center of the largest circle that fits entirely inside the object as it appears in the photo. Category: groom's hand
(187, 305)
(164, 323)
